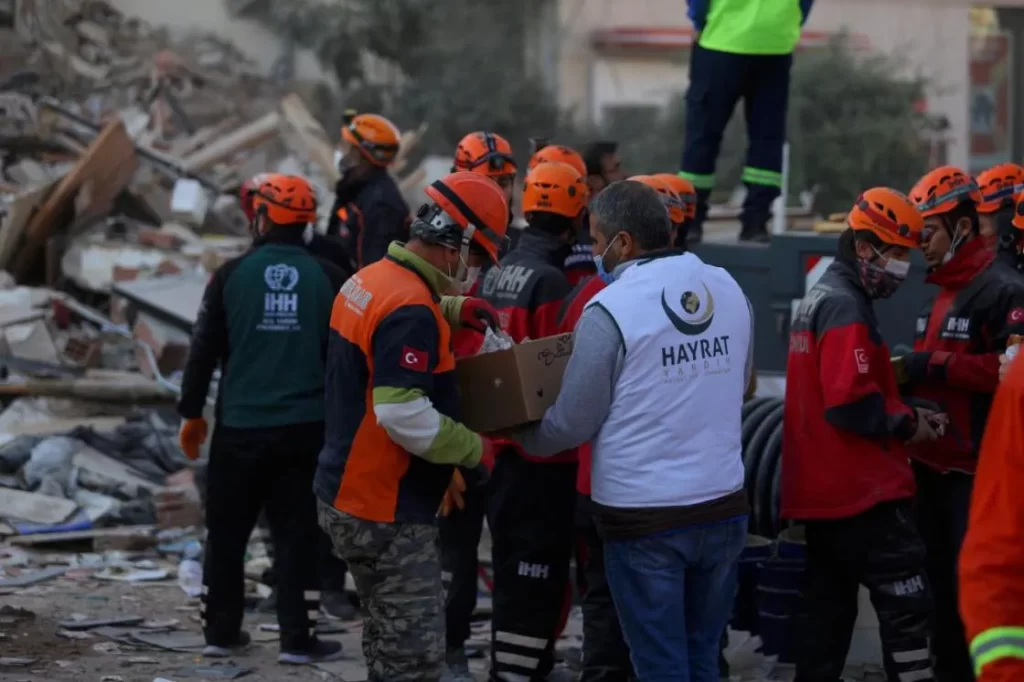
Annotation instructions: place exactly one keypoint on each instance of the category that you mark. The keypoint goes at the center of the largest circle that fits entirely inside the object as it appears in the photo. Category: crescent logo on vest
(691, 304)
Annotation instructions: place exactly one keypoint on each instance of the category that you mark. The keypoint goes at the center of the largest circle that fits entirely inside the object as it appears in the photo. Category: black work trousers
(880, 549)
(254, 470)
(605, 653)
(460, 562)
(941, 507)
(718, 81)
(331, 570)
(531, 514)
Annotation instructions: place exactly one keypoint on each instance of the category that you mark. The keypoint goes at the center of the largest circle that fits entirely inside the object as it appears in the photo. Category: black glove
(917, 366)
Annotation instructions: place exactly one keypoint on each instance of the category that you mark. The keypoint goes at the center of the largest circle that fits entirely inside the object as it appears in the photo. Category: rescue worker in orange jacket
(955, 364)
(462, 516)
(579, 264)
(842, 399)
(992, 558)
(532, 500)
(369, 211)
(393, 437)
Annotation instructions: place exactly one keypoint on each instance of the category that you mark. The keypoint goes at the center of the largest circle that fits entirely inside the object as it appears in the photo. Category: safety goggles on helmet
(496, 162)
(955, 196)
(435, 226)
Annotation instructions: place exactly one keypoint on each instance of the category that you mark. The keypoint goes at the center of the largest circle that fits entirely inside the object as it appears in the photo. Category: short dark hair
(595, 151)
(846, 250)
(965, 209)
(636, 209)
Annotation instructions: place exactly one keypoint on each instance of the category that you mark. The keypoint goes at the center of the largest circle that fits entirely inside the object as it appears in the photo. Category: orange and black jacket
(392, 434)
(568, 316)
(527, 290)
(844, 423)
(992, 557)
(959, 338)
(368, 214)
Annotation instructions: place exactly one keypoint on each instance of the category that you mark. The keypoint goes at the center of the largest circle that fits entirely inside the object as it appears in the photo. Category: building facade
(619, 56)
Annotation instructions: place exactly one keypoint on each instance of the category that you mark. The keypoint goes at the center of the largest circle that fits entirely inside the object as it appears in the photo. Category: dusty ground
(33, 634)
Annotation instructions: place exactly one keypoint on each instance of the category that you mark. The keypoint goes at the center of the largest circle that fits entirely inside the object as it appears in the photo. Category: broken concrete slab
(18, 504)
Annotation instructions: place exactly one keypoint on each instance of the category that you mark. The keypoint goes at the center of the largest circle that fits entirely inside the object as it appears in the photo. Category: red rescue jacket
(572, 309)
(527, 290)
(992, 557)
(965, 328)
(844, 427)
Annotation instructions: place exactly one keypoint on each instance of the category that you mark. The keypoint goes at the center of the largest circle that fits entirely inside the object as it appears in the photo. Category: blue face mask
(602, 272)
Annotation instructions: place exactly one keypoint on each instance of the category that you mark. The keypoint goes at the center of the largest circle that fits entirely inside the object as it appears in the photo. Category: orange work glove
(192, 435)
(453, 497)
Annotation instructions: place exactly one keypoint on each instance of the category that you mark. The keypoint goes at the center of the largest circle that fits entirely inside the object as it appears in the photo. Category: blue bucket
(744, 612)
(779, 603)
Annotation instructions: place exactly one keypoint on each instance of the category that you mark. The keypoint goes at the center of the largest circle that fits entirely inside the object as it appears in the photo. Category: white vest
(672, 436)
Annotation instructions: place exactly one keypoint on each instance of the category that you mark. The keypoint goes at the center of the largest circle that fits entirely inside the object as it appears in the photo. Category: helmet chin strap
(467, 239)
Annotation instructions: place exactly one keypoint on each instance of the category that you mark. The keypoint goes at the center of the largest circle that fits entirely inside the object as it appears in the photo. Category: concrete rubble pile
(122, 149)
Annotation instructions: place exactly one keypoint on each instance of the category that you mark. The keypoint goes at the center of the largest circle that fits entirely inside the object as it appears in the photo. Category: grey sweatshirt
(588, 384)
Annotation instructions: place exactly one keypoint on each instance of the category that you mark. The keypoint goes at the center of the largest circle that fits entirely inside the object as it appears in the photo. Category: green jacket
(264, 319)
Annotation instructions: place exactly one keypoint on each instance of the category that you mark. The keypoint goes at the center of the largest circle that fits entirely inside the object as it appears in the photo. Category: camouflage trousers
(397, 571)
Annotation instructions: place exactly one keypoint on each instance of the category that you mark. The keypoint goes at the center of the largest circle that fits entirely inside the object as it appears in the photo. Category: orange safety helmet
(686, 191)
(285, 199)
(998, 185)
(942, 190)
(374, 136)
(468, 210)
(890, 215)
(556, 153)
(485, 153)
(669, 197)
(554, 188)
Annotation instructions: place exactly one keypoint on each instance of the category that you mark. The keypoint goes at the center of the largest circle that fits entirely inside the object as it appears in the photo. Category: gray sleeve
(748, 370)
(587, 388)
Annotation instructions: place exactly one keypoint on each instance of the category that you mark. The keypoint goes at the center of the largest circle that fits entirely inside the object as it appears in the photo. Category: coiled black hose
(762, 463)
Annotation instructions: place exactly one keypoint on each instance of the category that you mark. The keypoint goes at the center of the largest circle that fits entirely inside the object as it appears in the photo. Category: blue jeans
(674, 592)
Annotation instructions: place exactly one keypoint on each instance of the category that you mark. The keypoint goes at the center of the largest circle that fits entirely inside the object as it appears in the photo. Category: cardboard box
(512, 387)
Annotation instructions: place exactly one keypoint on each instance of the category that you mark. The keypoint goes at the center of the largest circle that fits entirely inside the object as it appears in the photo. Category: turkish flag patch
(1016, 316)
(413, 359)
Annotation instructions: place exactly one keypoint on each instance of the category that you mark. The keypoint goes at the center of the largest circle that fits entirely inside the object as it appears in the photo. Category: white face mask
(472, 275)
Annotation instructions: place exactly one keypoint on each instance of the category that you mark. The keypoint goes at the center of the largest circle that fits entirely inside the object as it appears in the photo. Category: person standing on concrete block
(742, 50)
(532, 500)
(655, 383)
(369, 211)
(263, 320)
(393, 436)
(992, 558)
(845, 452)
